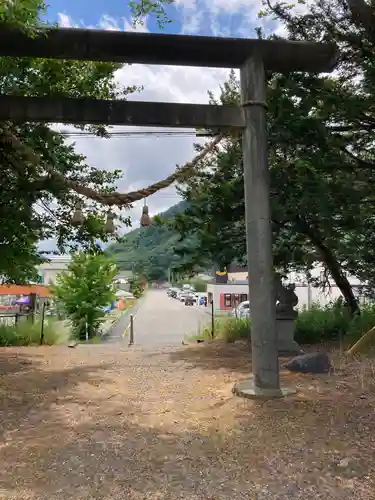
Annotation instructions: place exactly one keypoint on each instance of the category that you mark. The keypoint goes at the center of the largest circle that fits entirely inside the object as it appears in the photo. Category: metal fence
(11, 318)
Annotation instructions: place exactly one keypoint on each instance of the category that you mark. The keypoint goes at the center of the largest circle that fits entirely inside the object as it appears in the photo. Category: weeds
(28, 333)
(316, 325)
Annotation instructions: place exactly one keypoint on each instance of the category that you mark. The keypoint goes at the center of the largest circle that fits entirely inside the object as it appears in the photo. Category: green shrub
(28, 333)
(322, 324)
(316, 325)
(332, 323)
(232, 329)
(225, 328)
(361, 324)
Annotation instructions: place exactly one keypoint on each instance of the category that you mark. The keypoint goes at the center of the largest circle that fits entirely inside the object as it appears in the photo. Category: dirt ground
(99, 422)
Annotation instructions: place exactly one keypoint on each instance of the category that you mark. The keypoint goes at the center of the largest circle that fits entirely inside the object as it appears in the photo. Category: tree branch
(361, 163)
(115, 198)
(363, 16)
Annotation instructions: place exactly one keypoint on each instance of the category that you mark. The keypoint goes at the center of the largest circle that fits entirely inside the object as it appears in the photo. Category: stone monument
(286, 315)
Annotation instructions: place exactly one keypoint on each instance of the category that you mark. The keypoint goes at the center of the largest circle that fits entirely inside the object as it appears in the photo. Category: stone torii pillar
(264, 382)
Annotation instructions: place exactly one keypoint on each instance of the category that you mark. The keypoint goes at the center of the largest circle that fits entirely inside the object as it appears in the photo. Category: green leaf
(85, 289)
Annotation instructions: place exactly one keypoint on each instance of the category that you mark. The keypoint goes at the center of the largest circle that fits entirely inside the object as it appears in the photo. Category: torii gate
(253, 58)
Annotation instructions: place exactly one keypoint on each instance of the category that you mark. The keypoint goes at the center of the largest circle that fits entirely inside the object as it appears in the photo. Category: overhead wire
(134, 134)
(122, 200)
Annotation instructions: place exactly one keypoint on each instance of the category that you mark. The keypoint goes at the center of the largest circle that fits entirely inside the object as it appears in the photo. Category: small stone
(72, 345)
(315, 362)
(343, 463)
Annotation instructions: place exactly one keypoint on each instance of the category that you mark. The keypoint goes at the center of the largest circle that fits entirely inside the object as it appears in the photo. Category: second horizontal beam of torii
(138, 113)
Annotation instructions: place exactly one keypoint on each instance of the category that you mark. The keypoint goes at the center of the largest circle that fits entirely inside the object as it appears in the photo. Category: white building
(49, 270)
(227, 295)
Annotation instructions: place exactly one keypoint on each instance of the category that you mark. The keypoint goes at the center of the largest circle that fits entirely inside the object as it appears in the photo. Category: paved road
(116, 333)
(161, 321)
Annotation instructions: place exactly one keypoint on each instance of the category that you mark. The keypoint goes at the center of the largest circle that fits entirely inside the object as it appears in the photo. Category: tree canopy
(84, 290)
(149, 251)
(34, 158)
(321, 154)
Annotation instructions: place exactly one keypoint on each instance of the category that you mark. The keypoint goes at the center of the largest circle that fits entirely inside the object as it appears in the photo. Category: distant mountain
(148, 247)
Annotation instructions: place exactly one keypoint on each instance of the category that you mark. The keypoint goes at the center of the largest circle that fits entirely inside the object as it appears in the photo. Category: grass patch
(113, 316)
(27, 333)
(97, 339)
(129, 303)
(225, 328)
(332, 323)
(116, 313)
(316, 325)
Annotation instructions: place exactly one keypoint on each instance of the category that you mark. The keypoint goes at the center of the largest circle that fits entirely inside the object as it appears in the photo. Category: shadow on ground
(220, 355)
(213, 356)
(28, 391)
(70, 434)
(12, 361)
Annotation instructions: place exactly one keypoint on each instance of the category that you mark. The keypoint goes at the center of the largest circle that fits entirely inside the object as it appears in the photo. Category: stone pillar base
(286, 345)
(248, 389)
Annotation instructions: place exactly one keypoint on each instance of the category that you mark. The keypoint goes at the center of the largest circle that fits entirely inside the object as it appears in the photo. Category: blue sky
(203, 17)
(90, 12)
(147, 160)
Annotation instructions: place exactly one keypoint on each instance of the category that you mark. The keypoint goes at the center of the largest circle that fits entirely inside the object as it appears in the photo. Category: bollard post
(131, 333)
(212, 320)
(42, 324)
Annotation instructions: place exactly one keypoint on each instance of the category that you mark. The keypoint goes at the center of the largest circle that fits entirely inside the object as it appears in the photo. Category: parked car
(242, 310)
(50, 312)
(182, 296)
(190, 299)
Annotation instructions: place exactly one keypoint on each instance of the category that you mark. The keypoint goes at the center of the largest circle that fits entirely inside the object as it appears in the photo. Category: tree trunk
(334, 268)
(363, 16)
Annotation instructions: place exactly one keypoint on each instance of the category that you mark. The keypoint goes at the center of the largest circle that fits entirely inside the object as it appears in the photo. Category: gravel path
(160, 320)
(111, 423)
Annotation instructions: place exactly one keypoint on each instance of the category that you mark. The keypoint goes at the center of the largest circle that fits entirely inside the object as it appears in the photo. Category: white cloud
(150, 159)
(146, 160)
(64, 20)
(224, 5)
(105, 23)
(221, 17)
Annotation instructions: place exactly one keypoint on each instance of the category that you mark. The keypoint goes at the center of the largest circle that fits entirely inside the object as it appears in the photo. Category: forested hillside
(149, 250)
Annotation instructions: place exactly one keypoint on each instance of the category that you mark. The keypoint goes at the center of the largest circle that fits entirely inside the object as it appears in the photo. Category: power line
(133, 134)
